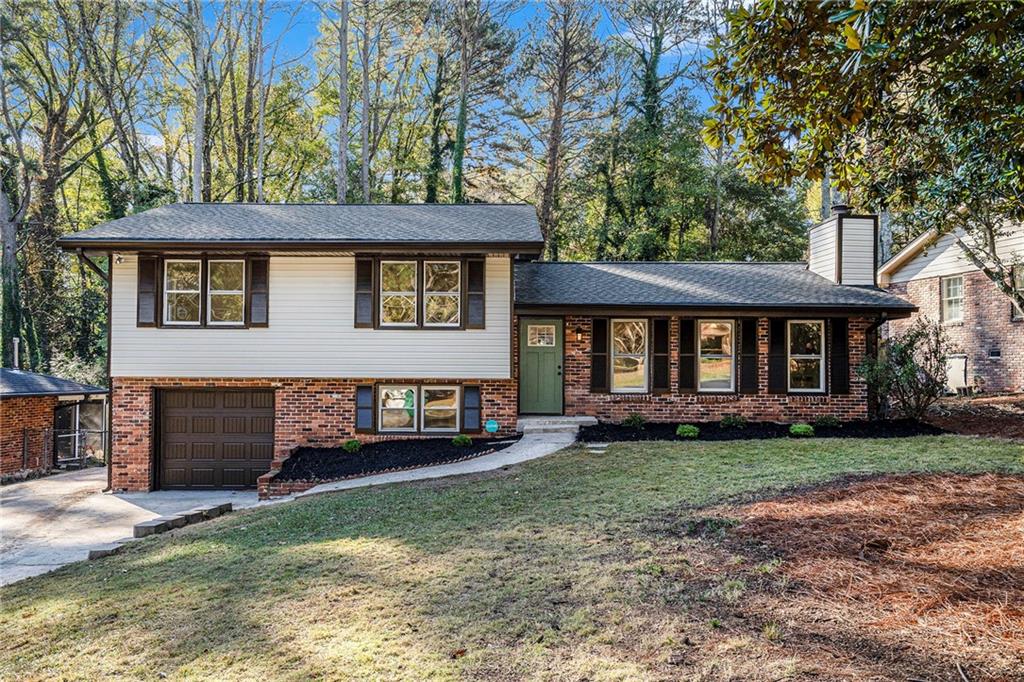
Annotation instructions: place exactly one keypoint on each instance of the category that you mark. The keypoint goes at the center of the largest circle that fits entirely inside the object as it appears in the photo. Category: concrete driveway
(48, 522)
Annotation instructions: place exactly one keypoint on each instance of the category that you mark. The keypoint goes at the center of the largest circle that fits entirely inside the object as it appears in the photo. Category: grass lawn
(559, 569)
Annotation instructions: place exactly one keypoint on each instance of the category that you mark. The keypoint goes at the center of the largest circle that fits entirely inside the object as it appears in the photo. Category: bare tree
(198, 36)
(342, 175)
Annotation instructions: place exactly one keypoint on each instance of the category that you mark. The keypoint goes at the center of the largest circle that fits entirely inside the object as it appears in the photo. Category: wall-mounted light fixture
(579, 334)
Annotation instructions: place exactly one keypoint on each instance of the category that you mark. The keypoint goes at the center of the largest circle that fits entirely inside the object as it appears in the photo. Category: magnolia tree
(909, 373)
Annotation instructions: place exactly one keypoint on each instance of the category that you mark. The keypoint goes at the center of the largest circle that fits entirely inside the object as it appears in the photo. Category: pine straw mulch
(898, 577)
(996, 416)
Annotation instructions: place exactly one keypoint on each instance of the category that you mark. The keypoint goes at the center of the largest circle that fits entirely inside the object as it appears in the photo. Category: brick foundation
(987, 326)
(29, 417)
(308, 412)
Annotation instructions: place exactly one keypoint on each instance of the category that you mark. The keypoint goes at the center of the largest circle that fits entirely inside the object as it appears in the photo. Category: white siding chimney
(843, 248)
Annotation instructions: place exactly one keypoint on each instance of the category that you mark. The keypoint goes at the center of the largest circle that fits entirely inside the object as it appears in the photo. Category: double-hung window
(952, 292)
(440, 408)
(397, 408)
(1018, 285)
(717, 348)
(182, 291)
(806, 345)
(398, 302)
(225, 296)
(629, 356)
(441, 293)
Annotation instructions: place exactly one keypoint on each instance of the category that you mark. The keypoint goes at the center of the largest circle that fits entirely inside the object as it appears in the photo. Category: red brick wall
(695, 407)
(986, 326)
(308, 412)
(34, 413)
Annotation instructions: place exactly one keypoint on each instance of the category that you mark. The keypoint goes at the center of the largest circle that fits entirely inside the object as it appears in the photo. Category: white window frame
(415, 409)
(221, 292)
(457, 294)
(943, 298)
(1016, 273)
(423, 408)
(802, 356)
(414, 293)
(166, 292)
(731, 357)
(646, 355)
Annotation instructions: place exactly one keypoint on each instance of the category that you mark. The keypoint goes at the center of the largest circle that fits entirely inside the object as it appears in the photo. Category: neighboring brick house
(240, 332)
(933, 273)
(31, 406)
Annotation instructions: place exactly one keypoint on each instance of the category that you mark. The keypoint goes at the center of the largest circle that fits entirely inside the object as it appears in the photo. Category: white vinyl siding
(822, 258)
(858, 251)
(311, 333)
(945, 258)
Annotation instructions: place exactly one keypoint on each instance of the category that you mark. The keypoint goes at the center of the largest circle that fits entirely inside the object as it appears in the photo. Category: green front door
(540, 366)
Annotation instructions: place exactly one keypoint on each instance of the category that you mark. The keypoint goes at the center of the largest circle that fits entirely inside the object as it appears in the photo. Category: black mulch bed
(332, 464)
(898, 428)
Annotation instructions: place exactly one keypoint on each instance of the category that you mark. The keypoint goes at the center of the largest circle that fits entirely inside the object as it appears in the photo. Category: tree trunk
(433, 175)
(342, 178)
(459, 150)
(261, 125)
(364, 168)
(11, 293)
(198, 133)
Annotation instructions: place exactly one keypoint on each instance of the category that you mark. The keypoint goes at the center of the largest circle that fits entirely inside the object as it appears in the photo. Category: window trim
(415, 293)
(423, 407)
(731, 357)
(221, 292)
(802, 356)
(457, 294)
(380, 408)
(612, 354)
(165, 291)
(943, 299)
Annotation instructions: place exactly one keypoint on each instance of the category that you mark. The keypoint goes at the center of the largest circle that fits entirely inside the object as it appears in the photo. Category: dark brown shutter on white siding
(778, 370)
(364, 308)
(599, 355)
(473, 298)
(259, 291)
(839, 356)
(365, 409)
(471, 409)
(687, 356)
(660, 378)
(748, 354)
(147, 294)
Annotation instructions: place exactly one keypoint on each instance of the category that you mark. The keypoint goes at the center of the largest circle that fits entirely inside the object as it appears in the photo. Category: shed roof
(18, 383)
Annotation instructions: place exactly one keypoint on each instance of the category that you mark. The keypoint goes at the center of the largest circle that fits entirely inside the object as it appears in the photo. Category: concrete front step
(553, 424)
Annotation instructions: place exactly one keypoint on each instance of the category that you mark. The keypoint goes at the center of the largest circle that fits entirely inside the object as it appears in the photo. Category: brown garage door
(215, 439)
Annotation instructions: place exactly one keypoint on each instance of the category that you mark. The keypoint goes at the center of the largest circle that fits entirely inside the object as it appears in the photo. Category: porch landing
(553, 424)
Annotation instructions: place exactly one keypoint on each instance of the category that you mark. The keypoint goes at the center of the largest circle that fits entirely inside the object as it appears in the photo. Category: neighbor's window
(717, 339)
(629, 356)
(440, 408)
(225, 298)
(182, 291)
(1018, 285)
(397, 408)
(398, 293)
(441, 284)
(952, 298)
(806, 355)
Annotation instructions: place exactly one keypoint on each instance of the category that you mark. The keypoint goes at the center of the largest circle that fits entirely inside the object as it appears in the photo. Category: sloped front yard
(650, 561)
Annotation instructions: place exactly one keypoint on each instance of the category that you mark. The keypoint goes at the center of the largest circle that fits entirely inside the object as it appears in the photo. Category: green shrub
(634, 421)
(827, 421)
(733, 421)
(687, 431)
(351, 445)
(462, 441)
(801, 430)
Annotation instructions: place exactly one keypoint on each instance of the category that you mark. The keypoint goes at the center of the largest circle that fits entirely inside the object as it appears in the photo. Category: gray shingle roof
(15, 382)
(693, 284)
(319, 224)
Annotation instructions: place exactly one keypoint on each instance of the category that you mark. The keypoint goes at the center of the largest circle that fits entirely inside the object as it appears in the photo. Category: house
(240, 332)
(46, 419)
(934, 274)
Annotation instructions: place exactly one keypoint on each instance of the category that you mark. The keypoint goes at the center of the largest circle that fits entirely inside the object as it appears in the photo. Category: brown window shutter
(148, 295)
(778, 381)
(471, 412)
(599, 355)
(365, 309)
(365, 409)
(839, 356)
(748, 354)
(661, 381)
(473, 295)
(687, 355)
(258, 308)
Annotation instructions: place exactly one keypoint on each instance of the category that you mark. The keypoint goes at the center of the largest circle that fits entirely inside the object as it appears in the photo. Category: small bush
(351, 445)
(801, 430)
(687, 431)
(634, 421)
(733, 421)
(462, 441)
(827, 421)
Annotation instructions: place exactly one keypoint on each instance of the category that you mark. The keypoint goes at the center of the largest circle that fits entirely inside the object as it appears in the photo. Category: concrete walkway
(529, 447)
(48, 522)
